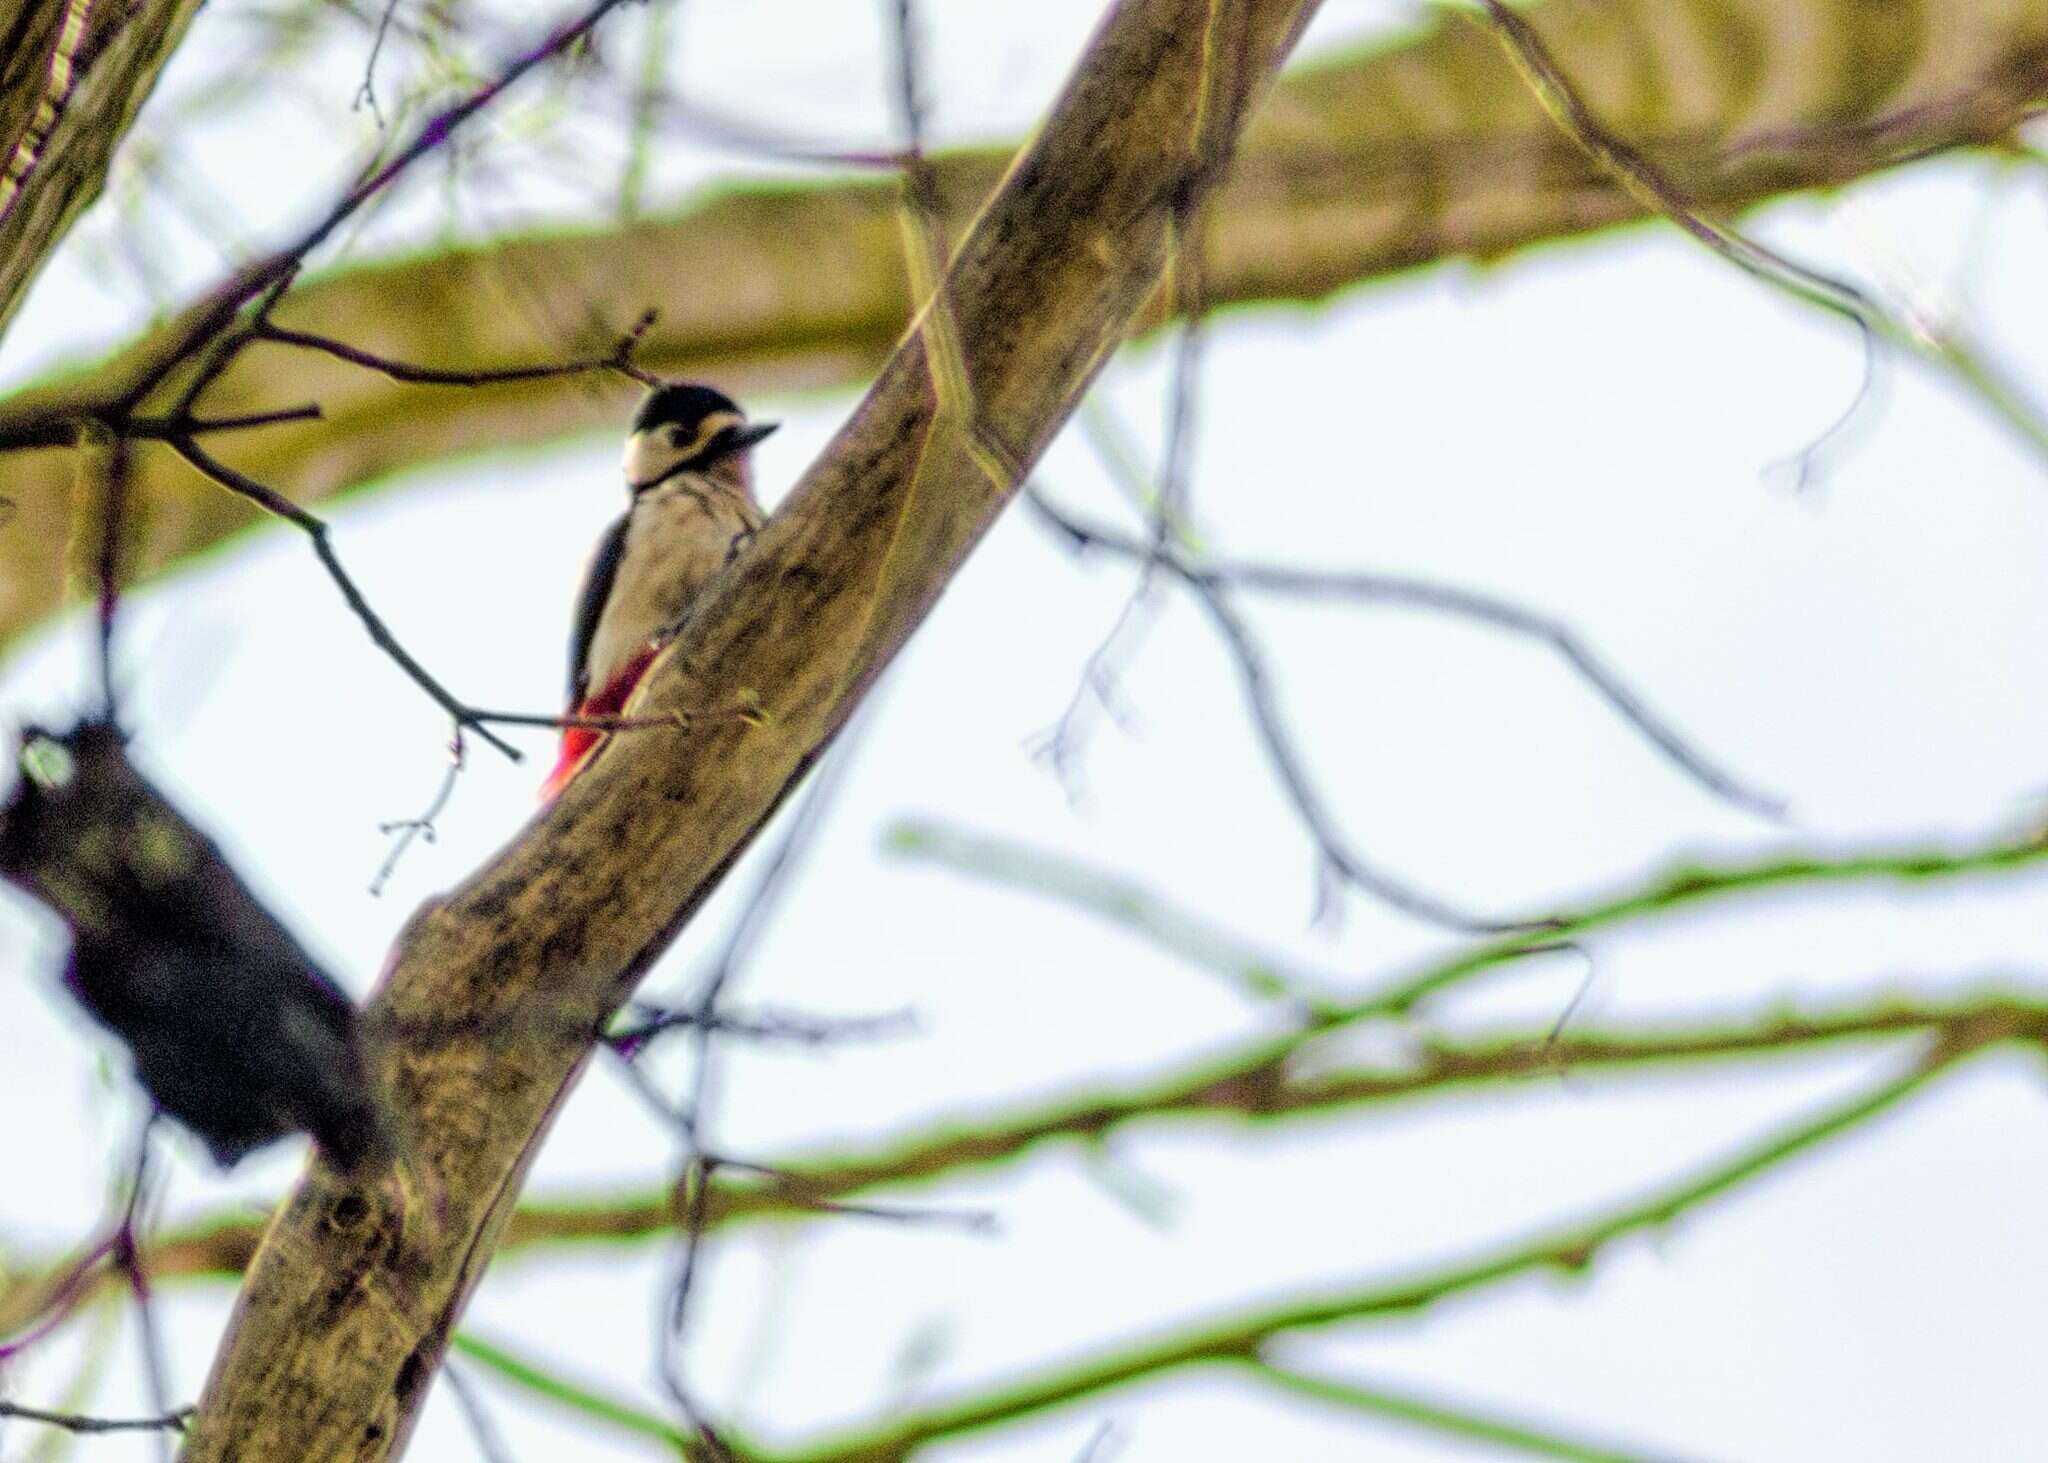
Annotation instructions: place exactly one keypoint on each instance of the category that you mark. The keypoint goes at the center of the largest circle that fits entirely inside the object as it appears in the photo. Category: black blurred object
(234, 1030)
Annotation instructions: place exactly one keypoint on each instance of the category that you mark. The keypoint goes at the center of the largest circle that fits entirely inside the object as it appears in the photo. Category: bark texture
(72, 75)
(351, 1298)
(1427, 149)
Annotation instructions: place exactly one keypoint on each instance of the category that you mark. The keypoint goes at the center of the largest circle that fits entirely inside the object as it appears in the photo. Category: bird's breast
(678, 538)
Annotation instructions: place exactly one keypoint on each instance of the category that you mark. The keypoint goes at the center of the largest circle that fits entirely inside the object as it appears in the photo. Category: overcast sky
(1587, 429)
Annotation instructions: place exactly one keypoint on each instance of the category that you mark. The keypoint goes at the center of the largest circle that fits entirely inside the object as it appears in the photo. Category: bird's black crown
(684, 405)
(697, 425)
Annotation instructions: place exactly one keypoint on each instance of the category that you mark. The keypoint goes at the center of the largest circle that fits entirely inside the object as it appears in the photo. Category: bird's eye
(675, 435)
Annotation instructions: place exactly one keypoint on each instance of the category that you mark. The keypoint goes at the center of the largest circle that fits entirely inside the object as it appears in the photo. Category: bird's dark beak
(738, 439)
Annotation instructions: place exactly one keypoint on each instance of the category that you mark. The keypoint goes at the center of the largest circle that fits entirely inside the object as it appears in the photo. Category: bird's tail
(578, 742)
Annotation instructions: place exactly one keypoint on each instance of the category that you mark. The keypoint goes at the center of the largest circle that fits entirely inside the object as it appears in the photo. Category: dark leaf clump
(234, 1030)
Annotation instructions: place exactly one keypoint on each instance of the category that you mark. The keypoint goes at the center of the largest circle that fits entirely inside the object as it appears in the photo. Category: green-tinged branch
(585, 1400)
(1110, 896)
(1344, 179)
(1240, 1336)
(1251, 1083)
(1459, 1421)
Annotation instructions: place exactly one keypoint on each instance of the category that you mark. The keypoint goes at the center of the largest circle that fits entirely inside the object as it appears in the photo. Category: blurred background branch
(1294, 1076)
(1341, 179)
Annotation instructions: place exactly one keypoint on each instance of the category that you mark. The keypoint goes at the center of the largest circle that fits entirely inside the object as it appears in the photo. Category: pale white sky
(1584, 428)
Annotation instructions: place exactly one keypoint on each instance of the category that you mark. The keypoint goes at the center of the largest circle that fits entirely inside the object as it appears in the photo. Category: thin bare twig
(211, 336)
(650, 1022)
(1256, 973)
(490, 1442)
(1270, 722)
(1965, 362)
(128, 1257)
(1292, 768)
(698, 1171)
(700, 1166)
(1440, 598)
(366, 94)
(66, 431)
(76, 1284)
(646, 92)
(979, 1221)
(316, 529)
(73, 1422)
(220, 308)
(223, 349)
(1102, 1445)
(1062, 745)
(684, 117)
(422, 827)
(1649, 187)
(920, 179)
(1208, 154)
(619, 358)
(113, 517)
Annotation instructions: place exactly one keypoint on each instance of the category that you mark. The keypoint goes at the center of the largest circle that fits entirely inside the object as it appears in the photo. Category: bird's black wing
(597, 588)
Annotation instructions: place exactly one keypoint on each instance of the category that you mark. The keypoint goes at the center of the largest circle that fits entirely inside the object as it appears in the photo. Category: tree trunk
(73, 73)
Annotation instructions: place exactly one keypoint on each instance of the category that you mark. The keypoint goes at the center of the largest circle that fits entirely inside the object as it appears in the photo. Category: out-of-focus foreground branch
(72, 76)
(1426, 150)
(349, 1304)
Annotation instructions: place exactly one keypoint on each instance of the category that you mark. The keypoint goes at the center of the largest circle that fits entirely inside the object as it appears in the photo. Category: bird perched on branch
(690, 509)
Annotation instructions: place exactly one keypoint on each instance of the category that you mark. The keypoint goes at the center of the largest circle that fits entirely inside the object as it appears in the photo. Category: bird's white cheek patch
(646, 457)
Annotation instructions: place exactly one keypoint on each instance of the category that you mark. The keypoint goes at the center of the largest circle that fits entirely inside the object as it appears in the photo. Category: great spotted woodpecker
(690, 509)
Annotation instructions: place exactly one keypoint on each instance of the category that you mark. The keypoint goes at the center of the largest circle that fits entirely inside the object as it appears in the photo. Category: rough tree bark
(350, 1301)
(1426, 149)
(72, 76)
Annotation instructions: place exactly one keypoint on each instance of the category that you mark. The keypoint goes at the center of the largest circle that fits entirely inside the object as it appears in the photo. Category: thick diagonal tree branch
(349, 1304)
